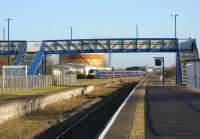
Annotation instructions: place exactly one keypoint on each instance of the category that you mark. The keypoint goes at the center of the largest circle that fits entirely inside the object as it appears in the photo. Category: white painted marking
(102, 135)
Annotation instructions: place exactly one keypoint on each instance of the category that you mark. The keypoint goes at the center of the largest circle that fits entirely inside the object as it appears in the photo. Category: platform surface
(158, 113)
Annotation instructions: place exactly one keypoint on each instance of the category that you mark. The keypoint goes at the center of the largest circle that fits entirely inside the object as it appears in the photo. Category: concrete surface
(159, 113)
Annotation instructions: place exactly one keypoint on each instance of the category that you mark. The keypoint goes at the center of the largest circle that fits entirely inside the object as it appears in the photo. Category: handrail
(33, 66)
(20, 55)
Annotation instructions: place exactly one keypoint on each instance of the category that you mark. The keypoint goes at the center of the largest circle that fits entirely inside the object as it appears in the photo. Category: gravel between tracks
(93, 124)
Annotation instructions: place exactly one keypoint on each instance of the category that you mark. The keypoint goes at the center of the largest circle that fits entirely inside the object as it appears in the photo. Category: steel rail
(90, 113)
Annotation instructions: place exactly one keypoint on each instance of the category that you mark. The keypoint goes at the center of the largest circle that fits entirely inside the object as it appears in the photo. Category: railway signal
(158, 62)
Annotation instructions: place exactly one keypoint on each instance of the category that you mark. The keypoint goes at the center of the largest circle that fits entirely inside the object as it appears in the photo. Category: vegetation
(170, 72)
(38, 121)
(12, 93)
(86, 82)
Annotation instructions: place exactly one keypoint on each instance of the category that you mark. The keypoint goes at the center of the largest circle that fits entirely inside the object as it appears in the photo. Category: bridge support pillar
(178, 66)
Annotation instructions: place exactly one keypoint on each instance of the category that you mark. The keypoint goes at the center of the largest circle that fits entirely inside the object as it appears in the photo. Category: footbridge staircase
(188, 51)
(33, 60)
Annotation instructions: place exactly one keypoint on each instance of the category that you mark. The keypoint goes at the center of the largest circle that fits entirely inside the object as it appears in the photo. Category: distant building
(136, 68)
(94, 59)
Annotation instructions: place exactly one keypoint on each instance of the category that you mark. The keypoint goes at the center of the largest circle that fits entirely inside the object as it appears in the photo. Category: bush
(170, 72)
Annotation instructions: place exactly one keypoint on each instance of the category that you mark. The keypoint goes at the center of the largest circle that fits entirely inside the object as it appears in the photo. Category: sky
(52, 19)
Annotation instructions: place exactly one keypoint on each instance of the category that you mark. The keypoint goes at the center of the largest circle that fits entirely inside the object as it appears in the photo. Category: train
(114, 74)
(80, 70)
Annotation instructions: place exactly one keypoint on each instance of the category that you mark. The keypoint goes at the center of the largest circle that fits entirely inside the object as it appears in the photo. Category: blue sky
(51, 19)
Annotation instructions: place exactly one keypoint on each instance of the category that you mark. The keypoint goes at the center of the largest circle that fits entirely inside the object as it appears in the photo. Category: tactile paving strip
(138, 125)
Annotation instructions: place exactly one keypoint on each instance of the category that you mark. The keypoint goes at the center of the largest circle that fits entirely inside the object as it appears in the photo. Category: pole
(178, 64)
(109, 54)
(195, 75)
(163, 70)
(175, 25)
(162, 60)
(136, 31)
(109, 59)
(8, 20)
(71, 33)
(45, 64)
(4, 34)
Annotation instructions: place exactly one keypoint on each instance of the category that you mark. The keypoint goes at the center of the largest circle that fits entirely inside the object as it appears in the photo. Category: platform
(158, 113)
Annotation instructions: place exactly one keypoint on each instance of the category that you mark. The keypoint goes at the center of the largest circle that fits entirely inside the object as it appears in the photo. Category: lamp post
(4, 34)
(178, 69)
(175, 25)
(8, 23)
(3, 31)
(136, 29)
(71, 31)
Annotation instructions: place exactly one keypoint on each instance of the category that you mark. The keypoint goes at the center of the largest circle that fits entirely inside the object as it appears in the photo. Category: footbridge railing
(20, 55)
(110, 45)
(36, 62)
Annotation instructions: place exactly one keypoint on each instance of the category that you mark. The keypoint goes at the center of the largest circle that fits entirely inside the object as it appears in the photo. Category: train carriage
(114, 74)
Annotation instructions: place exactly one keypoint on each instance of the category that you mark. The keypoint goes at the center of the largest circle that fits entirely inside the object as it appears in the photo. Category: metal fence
(193, 82)
(160, 83)
(153, 80)
(64, 79)
(36, 81)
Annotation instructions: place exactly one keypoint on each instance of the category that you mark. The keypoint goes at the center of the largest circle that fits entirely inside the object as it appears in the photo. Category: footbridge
(184, 50)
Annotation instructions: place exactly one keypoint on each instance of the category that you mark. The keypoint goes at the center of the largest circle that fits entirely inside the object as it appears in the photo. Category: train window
(91, 71)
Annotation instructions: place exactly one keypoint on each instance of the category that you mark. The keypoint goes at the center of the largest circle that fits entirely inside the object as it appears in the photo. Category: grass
(86, 82)
(101, 92)
(12, 94)
(36, 122)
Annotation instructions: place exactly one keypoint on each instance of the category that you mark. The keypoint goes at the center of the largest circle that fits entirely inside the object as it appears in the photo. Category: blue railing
(112, 45)
(20, 55)
(36, 62)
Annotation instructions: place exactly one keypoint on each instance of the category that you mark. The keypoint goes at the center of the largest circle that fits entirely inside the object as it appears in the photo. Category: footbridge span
(184, 50)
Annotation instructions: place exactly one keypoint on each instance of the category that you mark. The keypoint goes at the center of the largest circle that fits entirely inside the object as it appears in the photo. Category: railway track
(91, 124)
(97, 118)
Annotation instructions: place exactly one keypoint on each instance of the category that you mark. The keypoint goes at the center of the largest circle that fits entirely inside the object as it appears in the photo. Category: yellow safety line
(138, 125)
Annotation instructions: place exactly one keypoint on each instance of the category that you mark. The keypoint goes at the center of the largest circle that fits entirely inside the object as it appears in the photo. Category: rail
(62, 134)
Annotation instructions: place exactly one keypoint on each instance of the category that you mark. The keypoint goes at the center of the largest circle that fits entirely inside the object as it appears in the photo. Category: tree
(170, 72)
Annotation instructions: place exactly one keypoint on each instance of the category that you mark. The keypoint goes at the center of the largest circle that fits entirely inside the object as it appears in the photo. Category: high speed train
(114, 74)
